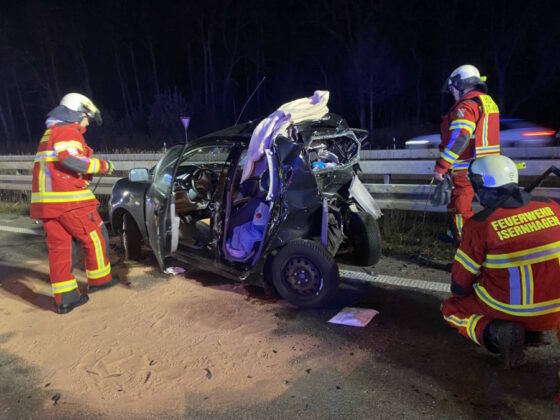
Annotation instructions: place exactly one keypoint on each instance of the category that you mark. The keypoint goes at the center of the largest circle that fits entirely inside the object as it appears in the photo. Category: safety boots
(114, 281)
(64, 308)
(507, 338)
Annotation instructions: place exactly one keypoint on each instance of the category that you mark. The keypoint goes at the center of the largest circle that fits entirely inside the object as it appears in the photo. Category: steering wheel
(202, 182)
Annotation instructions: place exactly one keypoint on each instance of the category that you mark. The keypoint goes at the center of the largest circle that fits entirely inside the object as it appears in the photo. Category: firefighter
(504, 278)
(469, 130)
(62, 170)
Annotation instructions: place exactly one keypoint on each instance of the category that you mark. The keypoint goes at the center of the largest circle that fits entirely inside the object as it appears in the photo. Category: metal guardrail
(413, 168)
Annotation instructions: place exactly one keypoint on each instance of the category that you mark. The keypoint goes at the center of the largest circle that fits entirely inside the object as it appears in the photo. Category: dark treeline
(145, 63)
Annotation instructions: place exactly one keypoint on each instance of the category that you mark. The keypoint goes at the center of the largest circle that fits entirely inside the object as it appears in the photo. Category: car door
(160, 207)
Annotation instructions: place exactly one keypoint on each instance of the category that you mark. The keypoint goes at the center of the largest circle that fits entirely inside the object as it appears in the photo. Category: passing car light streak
(537, 133)
(396, 281)
(12, 229)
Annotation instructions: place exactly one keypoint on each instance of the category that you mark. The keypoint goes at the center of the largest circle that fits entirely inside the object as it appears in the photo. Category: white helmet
(80, 103)
(492, 171)
(465, 76)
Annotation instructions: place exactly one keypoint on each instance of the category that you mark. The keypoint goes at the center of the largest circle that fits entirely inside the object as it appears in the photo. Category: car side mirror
(139, 175)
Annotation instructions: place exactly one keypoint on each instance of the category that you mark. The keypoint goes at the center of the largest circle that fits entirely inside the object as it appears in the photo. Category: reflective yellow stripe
(466, 261)
(471, 327)
(94, 165)
(467, 125)
(46, 135)
(98, 249)
(452, 319)
(61, 146)
(532, 309)
(468, 324)
(524, 257)
(102, 269)
(41, 178)
(449, 156)
(527, 288)
(48, 155)
(96, 274)
(459, 224)
(61, 196)
(64, 286)
(490, 150)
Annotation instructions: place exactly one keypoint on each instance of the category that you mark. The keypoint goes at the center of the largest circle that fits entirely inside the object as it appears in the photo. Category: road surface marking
(396, 281)
(38, 231)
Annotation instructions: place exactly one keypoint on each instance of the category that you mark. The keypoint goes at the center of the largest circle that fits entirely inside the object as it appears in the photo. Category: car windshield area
(163, 176)
(212, 157)
(200, 169)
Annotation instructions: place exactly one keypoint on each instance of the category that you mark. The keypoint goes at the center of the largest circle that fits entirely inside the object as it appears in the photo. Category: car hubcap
(302, 276)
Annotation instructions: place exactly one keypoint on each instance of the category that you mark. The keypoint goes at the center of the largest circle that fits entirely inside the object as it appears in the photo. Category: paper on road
(355, 317)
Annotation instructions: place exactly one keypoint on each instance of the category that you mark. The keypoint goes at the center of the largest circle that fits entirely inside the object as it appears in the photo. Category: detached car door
(159, 206)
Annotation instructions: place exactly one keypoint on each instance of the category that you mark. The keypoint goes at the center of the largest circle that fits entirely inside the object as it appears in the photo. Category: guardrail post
(387, 178)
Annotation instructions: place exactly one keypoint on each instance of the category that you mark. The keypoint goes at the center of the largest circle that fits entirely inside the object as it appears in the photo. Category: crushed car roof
(242, 132)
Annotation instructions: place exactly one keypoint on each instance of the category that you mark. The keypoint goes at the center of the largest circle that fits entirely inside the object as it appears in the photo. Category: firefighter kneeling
(62, 171)
(505, 273)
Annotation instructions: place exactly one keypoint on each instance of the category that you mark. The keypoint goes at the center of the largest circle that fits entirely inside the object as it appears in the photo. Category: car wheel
(131, 238)
(365, 238)
(305, 274)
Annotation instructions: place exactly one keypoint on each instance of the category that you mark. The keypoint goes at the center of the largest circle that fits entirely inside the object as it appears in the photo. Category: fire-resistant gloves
(442, 192)
(110, 167)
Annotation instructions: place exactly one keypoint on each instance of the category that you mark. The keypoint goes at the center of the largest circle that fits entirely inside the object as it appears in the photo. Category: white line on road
(396, 281)
(39, 232)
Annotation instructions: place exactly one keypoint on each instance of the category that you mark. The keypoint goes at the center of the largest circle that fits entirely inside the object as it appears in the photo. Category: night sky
(145, 63)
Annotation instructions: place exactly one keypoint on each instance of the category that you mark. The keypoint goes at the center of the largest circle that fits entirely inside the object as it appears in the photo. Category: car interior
(194, 187)
(195, 183)
(246, 215)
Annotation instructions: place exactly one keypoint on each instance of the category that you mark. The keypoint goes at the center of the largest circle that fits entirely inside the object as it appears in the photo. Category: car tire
(131, 238)
(318, 269)
(364, 236)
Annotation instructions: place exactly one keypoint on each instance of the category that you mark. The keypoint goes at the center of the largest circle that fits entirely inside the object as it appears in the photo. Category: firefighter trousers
(470, 316)
(85, 225)
(460, 206)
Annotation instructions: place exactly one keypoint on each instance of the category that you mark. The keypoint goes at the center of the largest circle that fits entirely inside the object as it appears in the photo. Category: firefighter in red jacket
(505, 276)
(62, 170)
(469, 130)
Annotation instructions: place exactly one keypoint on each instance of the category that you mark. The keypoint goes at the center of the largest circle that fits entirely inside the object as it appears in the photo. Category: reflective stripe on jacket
(476, 116)
(512, 259)
(56, 188)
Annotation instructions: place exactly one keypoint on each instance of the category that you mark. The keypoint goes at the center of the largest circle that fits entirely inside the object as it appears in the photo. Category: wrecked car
(282, 221)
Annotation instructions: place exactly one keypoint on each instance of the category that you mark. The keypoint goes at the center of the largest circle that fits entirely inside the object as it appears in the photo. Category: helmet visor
(96, 116)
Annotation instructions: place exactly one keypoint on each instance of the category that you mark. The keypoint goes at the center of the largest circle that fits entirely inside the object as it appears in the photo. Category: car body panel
(160, 206)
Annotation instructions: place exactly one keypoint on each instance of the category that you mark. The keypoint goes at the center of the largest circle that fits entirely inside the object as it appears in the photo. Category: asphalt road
(418, 367)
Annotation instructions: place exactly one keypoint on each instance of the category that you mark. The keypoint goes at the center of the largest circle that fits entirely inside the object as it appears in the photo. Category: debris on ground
(354, 317)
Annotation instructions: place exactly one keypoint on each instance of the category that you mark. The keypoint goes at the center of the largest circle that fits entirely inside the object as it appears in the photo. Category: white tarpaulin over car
(312, 108)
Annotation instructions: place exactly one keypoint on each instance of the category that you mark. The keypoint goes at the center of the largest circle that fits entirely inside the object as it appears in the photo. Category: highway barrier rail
(397, 179)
